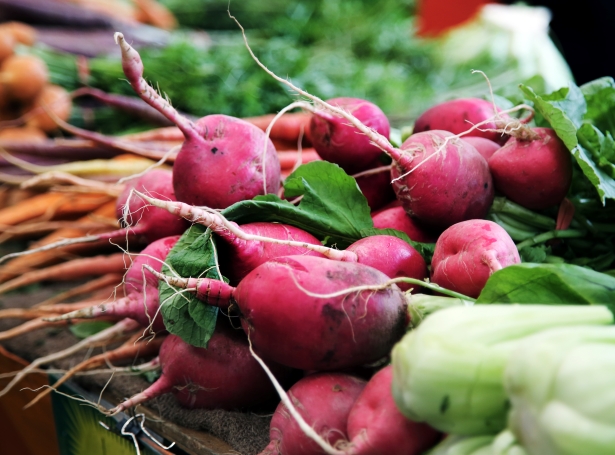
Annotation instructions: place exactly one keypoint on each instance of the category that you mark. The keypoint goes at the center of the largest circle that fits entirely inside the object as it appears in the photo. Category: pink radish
(467, 253)
(223, 159)
(442, 180)
(484, 146)
(458, 115)
(324, 400)
(238, 256)
(535, 173)
(223, 376)
(397, 218)
(375, 425)
(141, 288)
(340, 143)
(392, 256)
(312, 313)
(375, 184)
(150, 222)
(252, 244)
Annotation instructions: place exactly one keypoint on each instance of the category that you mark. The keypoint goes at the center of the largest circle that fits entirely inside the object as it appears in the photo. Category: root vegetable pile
(324, 260)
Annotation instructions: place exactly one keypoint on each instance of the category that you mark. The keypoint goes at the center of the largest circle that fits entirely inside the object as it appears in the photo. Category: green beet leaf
(332, 208)
(549, 284)
(184, 315)
(601, 147)
(566, 111)
(600, 97)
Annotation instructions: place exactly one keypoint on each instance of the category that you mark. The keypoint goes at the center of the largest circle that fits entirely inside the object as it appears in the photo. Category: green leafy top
(332, 208)
(194, 255)
(577, 114)
(549, 284)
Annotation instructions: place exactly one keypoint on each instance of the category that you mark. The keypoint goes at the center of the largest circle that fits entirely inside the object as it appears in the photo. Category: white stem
(216, 222)
(376, 138)
(291, 106)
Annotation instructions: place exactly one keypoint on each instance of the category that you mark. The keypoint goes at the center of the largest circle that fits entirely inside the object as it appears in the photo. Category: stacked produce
(325, 268)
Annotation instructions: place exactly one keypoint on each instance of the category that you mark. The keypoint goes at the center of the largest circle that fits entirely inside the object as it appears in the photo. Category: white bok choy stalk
(562, 389)
(449, 371)
(502, 444)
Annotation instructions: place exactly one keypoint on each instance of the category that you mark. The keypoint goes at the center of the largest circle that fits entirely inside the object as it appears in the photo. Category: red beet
(223, 159)
(282, 307)
(459, 115)
(535, 173)
(397, 218)
(324, 401)
(223, 376)
(484, 146)
(441, 180)
(151, 223)
(392, 256)
(375, 425)
(467, 253)
(141, 289)
(338, 142)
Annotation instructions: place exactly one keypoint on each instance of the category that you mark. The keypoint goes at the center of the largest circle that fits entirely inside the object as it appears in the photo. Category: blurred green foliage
(330, 48)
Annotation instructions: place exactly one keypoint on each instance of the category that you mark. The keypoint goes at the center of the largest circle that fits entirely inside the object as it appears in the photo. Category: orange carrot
(152, 12)
(43, 311)
(164, 134)
(288, 159)
(102, 288)
(22, 264)
(44, 227)
(21, 32)
(7, 44)
(16, 195)
(131, 349)
(24, 76)
(287, 128)
(50, 205)
(23, 133)
(71, 270)
(31, 325)
(52, 97)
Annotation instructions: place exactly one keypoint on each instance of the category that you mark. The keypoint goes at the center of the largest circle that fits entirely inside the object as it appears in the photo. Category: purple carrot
(70, 149)
(129, 104)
